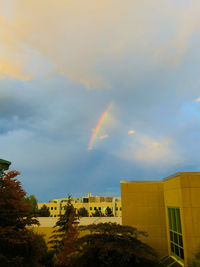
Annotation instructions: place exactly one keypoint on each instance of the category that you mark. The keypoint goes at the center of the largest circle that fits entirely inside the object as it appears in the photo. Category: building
(90, 203)
(169, 211)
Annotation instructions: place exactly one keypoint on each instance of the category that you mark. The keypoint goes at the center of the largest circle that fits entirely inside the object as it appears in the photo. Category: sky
(64, 63)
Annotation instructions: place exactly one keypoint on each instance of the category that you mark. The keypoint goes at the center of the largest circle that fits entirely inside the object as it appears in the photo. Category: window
(120, 208)
(175, 232)
(95, 208)
(99, 208)
(55, 208)
(116, 208)
(51, 208)
(90, 208)
(85, 200)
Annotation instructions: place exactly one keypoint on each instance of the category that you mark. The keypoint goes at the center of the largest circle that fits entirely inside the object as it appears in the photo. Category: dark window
(95, 208)
(120, 208)
(116, 208)
(90, 208)
(175, 232)
(54, 215)
(55, 208)
(99, 208)
(51, 208)
(85, 200)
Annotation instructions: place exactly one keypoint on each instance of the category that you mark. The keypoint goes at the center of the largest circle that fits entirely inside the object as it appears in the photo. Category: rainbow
(99, 125)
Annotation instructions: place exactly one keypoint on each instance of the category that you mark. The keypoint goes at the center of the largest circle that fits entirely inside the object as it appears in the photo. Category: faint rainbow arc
(99, 125)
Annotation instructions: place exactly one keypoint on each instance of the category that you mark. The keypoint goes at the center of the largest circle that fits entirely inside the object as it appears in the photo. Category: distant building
(91, 203)
(169, 211)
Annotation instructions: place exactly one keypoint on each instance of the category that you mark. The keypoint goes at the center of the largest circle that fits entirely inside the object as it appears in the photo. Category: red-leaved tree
(18, 244)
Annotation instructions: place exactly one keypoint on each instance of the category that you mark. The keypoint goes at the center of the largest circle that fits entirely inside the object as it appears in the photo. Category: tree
(44, 211)
(111, 245)
(97, 213)
(32, 202)
(82, 212)
(108, 212)
(18, 245)
(65, 233)
(196, 261)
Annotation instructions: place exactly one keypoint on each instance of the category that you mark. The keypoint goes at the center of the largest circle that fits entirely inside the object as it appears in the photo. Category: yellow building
(91, 203)
(169, 211)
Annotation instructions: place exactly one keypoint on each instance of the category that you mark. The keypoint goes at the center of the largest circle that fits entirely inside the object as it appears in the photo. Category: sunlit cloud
(90, 34)
(198, 99)
(131, 132)
(149, 150)
(103, 136)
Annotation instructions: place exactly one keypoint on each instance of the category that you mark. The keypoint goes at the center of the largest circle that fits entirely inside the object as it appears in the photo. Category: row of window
(55, 208)
(95, 208)
(99, 208)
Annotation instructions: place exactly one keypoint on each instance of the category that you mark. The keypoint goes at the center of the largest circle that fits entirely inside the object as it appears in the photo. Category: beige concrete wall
(51, 221)
(143, 208)
(183, 191)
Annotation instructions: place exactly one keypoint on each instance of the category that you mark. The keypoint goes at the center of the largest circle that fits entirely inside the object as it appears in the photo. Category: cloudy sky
(62, 63)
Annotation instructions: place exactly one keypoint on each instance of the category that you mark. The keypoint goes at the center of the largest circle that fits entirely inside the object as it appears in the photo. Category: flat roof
(180, 174)
(164, 179)
(142, 181)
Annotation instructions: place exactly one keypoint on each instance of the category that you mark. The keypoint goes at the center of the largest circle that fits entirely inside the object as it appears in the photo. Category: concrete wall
(183, 191)
(143, 208)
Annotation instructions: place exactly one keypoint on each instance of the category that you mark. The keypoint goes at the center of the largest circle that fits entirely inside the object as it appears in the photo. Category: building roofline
(180, 174)
(164, 179)
(142, 181)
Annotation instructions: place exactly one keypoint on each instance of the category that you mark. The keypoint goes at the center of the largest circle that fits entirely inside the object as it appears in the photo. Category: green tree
(19, 247)
(97, 213)
(108, 212)
(196, 261)
(82, 212)
(111, 245)
(32, 202)
(66, 231)
(44, 211)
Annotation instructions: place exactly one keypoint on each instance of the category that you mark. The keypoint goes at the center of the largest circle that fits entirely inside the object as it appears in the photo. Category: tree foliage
(44, 211)
(32, 203)
(108, 212)
(111, 245)
(82, 212)
(97, 213)
(65, 233)
(195, 262)
(19, 247)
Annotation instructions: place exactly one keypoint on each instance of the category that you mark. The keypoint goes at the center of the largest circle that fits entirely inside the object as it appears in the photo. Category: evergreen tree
(66, 231)
(108, 212)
